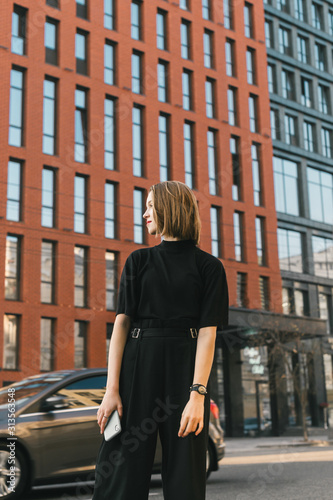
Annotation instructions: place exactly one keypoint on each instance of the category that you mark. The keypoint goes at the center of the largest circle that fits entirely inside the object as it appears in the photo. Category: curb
(305, 443)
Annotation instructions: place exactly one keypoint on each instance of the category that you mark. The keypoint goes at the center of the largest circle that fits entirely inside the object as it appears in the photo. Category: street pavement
(267, 468)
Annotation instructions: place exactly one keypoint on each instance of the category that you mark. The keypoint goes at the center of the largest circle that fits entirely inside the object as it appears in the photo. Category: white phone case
(113, 426)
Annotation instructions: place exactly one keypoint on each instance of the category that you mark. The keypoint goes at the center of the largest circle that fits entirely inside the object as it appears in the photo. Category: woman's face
(149, 215)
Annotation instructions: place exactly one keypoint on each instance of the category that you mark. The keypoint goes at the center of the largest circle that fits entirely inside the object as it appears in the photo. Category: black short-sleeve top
(172, 284)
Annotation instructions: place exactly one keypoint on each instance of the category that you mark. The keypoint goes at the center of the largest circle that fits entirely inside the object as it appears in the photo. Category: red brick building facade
(92, 61)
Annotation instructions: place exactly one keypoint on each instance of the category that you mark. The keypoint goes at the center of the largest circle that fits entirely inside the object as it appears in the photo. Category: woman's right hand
(111, 401)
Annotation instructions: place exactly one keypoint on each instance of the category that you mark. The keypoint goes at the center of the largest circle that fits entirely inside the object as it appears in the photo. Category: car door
(69, 438)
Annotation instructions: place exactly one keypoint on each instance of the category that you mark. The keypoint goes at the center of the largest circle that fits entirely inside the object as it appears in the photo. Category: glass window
(47, 272)
(12, 267)
(189, 154)
(53, 3)
(208, 49)
(51, 41)
(322, 249)
(275, 124)
(80, 276)
(302, 49)
(49, 116)
(256, 175)
(285, 41)
(288, 85)
(163, 129)
(299, 10)
(82, 9)
(19, 22)
(248, 20)
(269, 38)
(228, 14)
(206, 9)
(330, 22)
(185, 40)
(137, 141)
(109, 14)
(16, 107)
(81, 142)
(238, 236)
(320, 57)
(260, 240)
(230, 57)
(264, 292)
(215, 231)
(14, 191)
(308, 133)
(210, 98)
(162, 80)
(325, 312)
(136, 20)
(212, 161)
(10, 342)
(283, 5)
(306, 92)
(250, 66)
(137, 73)
(326, 142)
(80, 345)
(46, 344)
(87, 391)
(290, 128)
(109, 134)
(48, 198)
(236, 168)
(138, 216)
(161, 30)
(290, 250)
(320, 188)
(183, 4)
(253, 113)
(81, 38)
(111, 280)
(241, 289)
(80, 204)
(109, 63)
(286, 186)
(232, 106)
(323, 99)
(271, 73)
(187, 90)
(110, 210)
(317, 15)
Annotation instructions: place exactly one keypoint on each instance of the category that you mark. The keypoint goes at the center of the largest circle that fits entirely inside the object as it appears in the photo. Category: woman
(172, 297)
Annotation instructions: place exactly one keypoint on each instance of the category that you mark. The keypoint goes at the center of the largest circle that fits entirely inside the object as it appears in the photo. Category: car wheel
(209, 459)
(13, 476)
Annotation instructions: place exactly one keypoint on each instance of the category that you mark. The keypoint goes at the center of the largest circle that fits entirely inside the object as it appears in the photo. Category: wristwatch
(201, 389)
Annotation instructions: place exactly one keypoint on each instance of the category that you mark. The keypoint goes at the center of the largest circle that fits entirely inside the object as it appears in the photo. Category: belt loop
(194, 333)
(135, 333)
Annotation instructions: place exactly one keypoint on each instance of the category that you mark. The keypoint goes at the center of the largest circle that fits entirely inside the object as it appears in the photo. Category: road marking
(305, 456)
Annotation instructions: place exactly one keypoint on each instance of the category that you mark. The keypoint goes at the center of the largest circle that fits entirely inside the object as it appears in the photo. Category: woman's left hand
(193, 415)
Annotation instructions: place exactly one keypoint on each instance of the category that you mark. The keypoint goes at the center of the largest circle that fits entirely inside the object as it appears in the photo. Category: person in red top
(172, 298)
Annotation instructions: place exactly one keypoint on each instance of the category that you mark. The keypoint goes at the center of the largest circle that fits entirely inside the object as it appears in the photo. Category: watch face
(202, 390)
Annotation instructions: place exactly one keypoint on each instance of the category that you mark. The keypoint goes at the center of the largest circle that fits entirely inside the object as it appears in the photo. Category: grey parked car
(49, 432)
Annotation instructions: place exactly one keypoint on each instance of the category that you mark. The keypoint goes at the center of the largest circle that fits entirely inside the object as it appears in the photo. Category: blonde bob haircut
(176, 211)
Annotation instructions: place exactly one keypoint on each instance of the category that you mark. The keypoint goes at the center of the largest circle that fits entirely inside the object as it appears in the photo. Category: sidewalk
(236, 446)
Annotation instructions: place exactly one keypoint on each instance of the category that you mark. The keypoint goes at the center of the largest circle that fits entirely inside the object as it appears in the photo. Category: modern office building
(299, 41)
(103, 99)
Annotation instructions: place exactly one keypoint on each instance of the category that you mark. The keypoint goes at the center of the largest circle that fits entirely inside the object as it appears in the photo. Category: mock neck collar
(176, 245)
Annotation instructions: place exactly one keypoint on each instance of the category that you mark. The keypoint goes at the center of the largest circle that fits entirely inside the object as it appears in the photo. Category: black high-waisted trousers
(155, 377)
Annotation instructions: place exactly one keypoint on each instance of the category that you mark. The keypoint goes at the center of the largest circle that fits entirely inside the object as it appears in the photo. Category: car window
(27, 388)
(88, 391)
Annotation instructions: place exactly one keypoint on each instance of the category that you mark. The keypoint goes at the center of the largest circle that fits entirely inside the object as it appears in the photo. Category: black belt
(164, 332)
